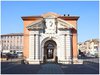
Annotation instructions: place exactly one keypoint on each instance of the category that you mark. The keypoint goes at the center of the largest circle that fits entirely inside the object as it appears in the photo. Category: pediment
(62, 24)
(41, 24)
(50, 15)
(36, 25)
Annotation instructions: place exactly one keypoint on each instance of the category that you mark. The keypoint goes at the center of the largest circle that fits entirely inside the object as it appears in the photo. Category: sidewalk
(14, 60)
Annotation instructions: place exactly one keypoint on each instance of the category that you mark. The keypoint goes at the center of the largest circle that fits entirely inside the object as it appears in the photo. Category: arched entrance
(50, 51)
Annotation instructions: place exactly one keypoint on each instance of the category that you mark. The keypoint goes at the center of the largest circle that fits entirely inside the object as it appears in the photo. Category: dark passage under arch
(50, 48)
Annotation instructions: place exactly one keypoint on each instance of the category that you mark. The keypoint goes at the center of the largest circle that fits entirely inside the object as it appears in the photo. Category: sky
(88, 23)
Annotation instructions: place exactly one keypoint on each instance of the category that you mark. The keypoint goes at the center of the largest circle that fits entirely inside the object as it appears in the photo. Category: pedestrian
(8, 56)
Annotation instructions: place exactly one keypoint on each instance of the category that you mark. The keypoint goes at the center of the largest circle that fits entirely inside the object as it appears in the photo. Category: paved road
(15, 68)
(90, 66)
(50, 68)
(80, 69)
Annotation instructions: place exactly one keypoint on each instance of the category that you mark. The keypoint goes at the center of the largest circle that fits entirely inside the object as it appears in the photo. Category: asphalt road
(49, 68)
(14, 68)
(81, 69)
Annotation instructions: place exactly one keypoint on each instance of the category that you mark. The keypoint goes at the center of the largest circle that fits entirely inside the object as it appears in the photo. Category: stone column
(37, 47)
(65, 46)
(42, 53)
(31, 46)
(33, 49)
(68, 43)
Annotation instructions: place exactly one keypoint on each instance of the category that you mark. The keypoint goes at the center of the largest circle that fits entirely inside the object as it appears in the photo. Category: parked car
(20, 54)
(14, 56)
(3, 55)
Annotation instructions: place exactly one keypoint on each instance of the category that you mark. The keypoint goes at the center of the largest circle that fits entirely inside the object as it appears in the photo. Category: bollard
(44, 59)
(56, 59)
(22, 61)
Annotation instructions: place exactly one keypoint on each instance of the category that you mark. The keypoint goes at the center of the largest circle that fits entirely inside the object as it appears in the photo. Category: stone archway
(50, 51)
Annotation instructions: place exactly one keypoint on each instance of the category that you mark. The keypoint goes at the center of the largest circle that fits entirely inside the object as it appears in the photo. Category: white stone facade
(62, 38)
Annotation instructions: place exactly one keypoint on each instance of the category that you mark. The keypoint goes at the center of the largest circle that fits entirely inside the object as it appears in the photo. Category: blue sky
(88, 23)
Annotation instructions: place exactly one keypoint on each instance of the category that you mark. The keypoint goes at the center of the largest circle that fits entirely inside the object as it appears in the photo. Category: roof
(12, 34)
(50, 13)
(69, 17)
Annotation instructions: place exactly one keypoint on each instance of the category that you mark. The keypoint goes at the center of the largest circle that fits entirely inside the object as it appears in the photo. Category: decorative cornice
(69, 17)
(31, 17)
(52, 14)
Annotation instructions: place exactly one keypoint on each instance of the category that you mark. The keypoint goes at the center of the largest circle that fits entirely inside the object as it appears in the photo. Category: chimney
(68, 15)
(64, 14)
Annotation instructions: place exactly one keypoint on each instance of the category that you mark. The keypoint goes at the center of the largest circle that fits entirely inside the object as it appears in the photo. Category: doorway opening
(50, 51)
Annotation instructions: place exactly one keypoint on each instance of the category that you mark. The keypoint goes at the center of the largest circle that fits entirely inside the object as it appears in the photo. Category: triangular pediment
(36, 25)
(50, 15)
(64, 24)
(41, 23)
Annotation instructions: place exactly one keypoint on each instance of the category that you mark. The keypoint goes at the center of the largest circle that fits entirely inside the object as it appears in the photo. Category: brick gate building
(50, 37)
